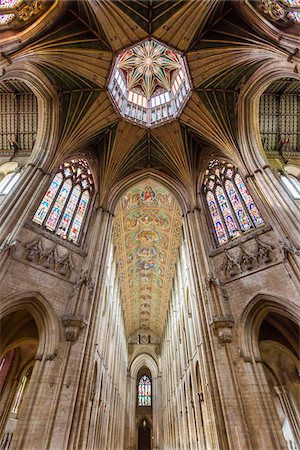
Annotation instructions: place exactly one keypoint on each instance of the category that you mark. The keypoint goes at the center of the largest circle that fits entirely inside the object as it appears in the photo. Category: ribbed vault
(76, 54)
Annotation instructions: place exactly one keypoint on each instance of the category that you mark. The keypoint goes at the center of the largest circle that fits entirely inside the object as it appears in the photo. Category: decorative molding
(49, 257)
(72, 326)
(84, 279)
(247, 258)
(222, 326)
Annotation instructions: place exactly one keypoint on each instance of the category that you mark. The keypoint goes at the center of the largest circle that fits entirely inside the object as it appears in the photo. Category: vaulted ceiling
(76, 52)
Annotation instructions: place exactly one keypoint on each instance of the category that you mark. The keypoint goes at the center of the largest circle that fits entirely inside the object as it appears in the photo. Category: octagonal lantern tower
(149, 84)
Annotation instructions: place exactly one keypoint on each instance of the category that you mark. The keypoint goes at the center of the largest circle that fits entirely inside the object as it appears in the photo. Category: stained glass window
(231, 206)
(144, 391)
(64, 206)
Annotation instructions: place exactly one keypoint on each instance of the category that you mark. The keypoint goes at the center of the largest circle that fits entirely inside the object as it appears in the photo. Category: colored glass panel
(237, 206)
(10, 3)
(58, 205)
(216, 218)
(144, 391)
(69, 212)
(78, 219)
(46, 203)
(6, 18)
(227, 214)
(250, 205)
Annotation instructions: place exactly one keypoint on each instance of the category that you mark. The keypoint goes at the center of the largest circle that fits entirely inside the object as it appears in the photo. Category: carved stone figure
(49, 258)
(231, 265)
(34, 251)
(263, 252)
(248, 260)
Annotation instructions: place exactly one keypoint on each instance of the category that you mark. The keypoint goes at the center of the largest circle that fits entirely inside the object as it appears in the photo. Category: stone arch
(48, 109)
(142, 360)
(252, 317)
(250, 143)
(43, 315)
(180, 194)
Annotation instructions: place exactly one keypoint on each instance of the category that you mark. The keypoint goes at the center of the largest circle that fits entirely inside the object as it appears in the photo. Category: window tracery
(18, 118)
(279, 115)
(231, 207)
(144, 391)
(65, 204)
(18, 12)
(281, 10)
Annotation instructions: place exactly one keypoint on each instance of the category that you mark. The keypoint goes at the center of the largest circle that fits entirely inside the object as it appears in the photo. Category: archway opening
(19, 343)
(278, 344)
(144, 436)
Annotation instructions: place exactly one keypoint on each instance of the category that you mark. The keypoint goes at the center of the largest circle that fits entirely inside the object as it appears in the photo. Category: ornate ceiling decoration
(282, 11)
(75, 49)
(18, 13)
(147, 234)
(149, 84)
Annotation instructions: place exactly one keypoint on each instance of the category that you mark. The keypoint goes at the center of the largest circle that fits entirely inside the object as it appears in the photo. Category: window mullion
(220, 213)
(64, 207)
(241, 199)
(54, 198)
(75, 212)
(222, 184)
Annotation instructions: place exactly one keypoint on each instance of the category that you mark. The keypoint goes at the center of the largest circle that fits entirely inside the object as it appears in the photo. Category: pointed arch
(252, 317)
(64, 207)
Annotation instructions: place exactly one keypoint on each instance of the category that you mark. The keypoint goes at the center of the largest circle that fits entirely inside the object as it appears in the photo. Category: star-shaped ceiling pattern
(149, 68)
(224, 42)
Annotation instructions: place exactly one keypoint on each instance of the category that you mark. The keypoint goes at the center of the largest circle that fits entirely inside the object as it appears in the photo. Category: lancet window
(231, 206)
(65, 205)
(144, 391)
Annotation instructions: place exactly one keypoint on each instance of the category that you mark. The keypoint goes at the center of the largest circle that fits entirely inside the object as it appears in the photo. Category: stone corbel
(222, 327)
(72, 326)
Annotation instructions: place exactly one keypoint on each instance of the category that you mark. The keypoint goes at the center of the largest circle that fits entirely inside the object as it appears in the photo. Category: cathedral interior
(149, 224)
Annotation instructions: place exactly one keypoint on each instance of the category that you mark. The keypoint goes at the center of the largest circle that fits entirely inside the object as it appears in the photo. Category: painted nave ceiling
(147, 84)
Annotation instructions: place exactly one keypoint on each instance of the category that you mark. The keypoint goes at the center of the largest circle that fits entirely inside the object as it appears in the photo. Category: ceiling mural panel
(147, 234)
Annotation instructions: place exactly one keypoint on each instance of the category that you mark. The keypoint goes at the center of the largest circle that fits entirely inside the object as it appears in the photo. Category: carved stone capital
(72, 326)
(222, 327)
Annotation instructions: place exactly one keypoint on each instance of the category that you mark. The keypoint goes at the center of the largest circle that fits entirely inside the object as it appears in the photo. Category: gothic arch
(48, 109)
(43, 314)
(250, 144)
(144, 360)
(126, 183)
(252, 317)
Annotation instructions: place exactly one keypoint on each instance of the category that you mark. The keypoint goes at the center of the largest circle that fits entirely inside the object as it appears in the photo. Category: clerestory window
(64, 207)
(231, 206)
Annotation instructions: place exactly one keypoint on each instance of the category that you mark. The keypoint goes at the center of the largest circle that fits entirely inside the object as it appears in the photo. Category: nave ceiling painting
(223, 43)
(147, 233)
